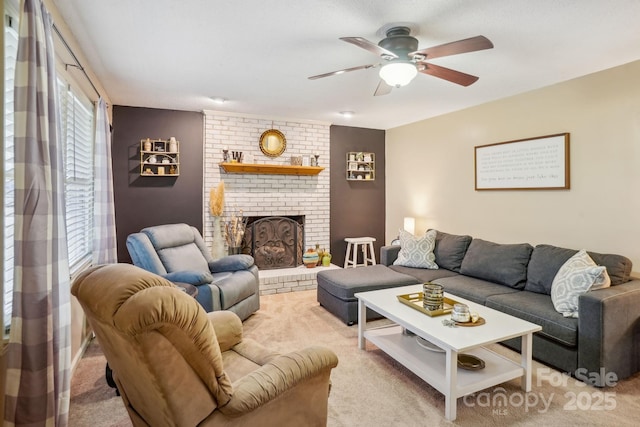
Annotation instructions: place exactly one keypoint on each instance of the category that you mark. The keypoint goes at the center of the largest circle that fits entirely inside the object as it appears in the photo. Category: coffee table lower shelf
(431, 365)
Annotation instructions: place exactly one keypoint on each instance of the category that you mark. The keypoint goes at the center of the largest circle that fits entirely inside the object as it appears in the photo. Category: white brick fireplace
(268, 195)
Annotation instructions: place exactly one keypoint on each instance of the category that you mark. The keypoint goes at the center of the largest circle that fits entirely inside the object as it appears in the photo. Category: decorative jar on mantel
(310, 258)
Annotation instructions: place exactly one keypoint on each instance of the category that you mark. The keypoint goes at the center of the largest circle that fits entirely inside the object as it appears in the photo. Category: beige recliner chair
(176, 365)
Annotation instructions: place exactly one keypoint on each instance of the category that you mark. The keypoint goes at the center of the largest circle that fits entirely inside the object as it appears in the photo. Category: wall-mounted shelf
(159, 157)
(270, 169)
(361, 166)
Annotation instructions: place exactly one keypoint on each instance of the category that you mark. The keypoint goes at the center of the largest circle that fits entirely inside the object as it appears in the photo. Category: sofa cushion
(476, 290)
(576, 276)
(450, 250)
(417, 251)
(538, 308)
(546, 260)
(505, 264)
(169, 235)
(343, 283)
(186, 257)
(423, 274)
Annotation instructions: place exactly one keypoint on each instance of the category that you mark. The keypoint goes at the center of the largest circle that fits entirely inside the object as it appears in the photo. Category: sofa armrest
(388, 254)
(228, 327)
(195, 278)
(231, 263)
(276, 377)
(609, 333)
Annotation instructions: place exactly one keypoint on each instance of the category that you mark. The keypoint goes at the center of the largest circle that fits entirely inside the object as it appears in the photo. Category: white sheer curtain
(104, 242)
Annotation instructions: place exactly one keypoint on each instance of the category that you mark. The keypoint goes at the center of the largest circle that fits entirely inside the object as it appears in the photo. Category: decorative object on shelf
(235, 228)
(313, 161)
(306, 161)
(296, 160)
(310, 258)
(173, 145)
(470, 362)
(172, 170)
(147, 145)
(152, 159)
(236, 156)
(326, 259)
(225, 154)
(272, 143)
(316, 155)
(216, 207)
(428, 345)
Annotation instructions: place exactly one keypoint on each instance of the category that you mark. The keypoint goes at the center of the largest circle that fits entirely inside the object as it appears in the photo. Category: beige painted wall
(430, 168)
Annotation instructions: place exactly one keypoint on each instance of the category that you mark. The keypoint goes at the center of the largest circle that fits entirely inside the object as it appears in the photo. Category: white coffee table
(440, 369)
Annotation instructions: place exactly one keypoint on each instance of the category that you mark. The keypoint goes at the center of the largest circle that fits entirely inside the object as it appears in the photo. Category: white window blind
(10, 51)
(77, 138)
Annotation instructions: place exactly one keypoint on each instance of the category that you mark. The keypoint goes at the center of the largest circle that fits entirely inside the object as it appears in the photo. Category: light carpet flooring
(371, 389)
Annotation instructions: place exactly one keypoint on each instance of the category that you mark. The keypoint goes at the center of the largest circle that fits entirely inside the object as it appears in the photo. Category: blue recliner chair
(178, 253)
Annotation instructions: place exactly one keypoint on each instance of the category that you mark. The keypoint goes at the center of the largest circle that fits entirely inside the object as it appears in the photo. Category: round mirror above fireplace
(272, 143)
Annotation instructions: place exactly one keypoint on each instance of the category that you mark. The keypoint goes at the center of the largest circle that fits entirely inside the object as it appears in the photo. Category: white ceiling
(258, 54)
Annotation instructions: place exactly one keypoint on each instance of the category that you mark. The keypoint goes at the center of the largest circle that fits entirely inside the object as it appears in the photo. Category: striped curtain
(39, 351)
(104, 242)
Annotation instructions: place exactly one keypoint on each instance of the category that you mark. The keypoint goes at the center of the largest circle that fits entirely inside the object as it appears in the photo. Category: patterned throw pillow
(576, 276)
(417, 251)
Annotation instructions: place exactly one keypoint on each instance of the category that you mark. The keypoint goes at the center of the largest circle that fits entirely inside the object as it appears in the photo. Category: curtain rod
(75, 58)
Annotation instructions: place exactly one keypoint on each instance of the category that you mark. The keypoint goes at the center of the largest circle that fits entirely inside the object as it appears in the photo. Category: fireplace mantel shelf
(270, 169)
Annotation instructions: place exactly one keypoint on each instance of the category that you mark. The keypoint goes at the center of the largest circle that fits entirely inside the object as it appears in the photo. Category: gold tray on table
(414, 300)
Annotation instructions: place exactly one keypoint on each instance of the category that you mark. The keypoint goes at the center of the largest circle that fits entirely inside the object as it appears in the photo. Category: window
(77, 143)
(77, 133)
(10, 51)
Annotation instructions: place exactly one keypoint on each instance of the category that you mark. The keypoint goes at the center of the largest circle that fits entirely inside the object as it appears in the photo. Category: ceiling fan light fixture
(397, 73)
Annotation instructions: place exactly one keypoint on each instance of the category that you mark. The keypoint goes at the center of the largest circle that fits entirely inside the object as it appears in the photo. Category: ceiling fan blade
(370, 46)
(346, 70)
(382, 89)
(461, 46)
(447, 74)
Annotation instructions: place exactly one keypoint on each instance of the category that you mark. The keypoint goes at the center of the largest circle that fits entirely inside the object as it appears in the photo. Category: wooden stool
(352, 250)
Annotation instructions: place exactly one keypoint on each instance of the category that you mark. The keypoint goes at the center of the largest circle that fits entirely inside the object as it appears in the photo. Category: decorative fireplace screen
(275, 241)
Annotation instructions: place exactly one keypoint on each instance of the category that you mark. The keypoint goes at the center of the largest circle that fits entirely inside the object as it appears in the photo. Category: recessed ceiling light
(218, 99)
(346, 114)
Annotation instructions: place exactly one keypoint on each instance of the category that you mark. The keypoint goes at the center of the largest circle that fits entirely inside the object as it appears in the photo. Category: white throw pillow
(417, 251)
(576, 276)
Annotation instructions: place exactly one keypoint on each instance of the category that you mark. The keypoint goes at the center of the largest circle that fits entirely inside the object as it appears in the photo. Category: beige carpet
(371, 389)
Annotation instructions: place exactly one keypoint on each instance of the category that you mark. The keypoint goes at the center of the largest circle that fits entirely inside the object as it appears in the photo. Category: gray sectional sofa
(602, 343)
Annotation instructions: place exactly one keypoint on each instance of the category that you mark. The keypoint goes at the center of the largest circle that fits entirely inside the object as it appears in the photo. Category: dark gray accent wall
(357, 208)
(142, 201)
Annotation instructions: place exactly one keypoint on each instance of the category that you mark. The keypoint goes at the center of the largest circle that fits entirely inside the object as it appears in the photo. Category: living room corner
(548, 275)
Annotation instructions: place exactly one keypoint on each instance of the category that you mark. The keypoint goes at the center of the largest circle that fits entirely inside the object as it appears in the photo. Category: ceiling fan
(402, 60)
